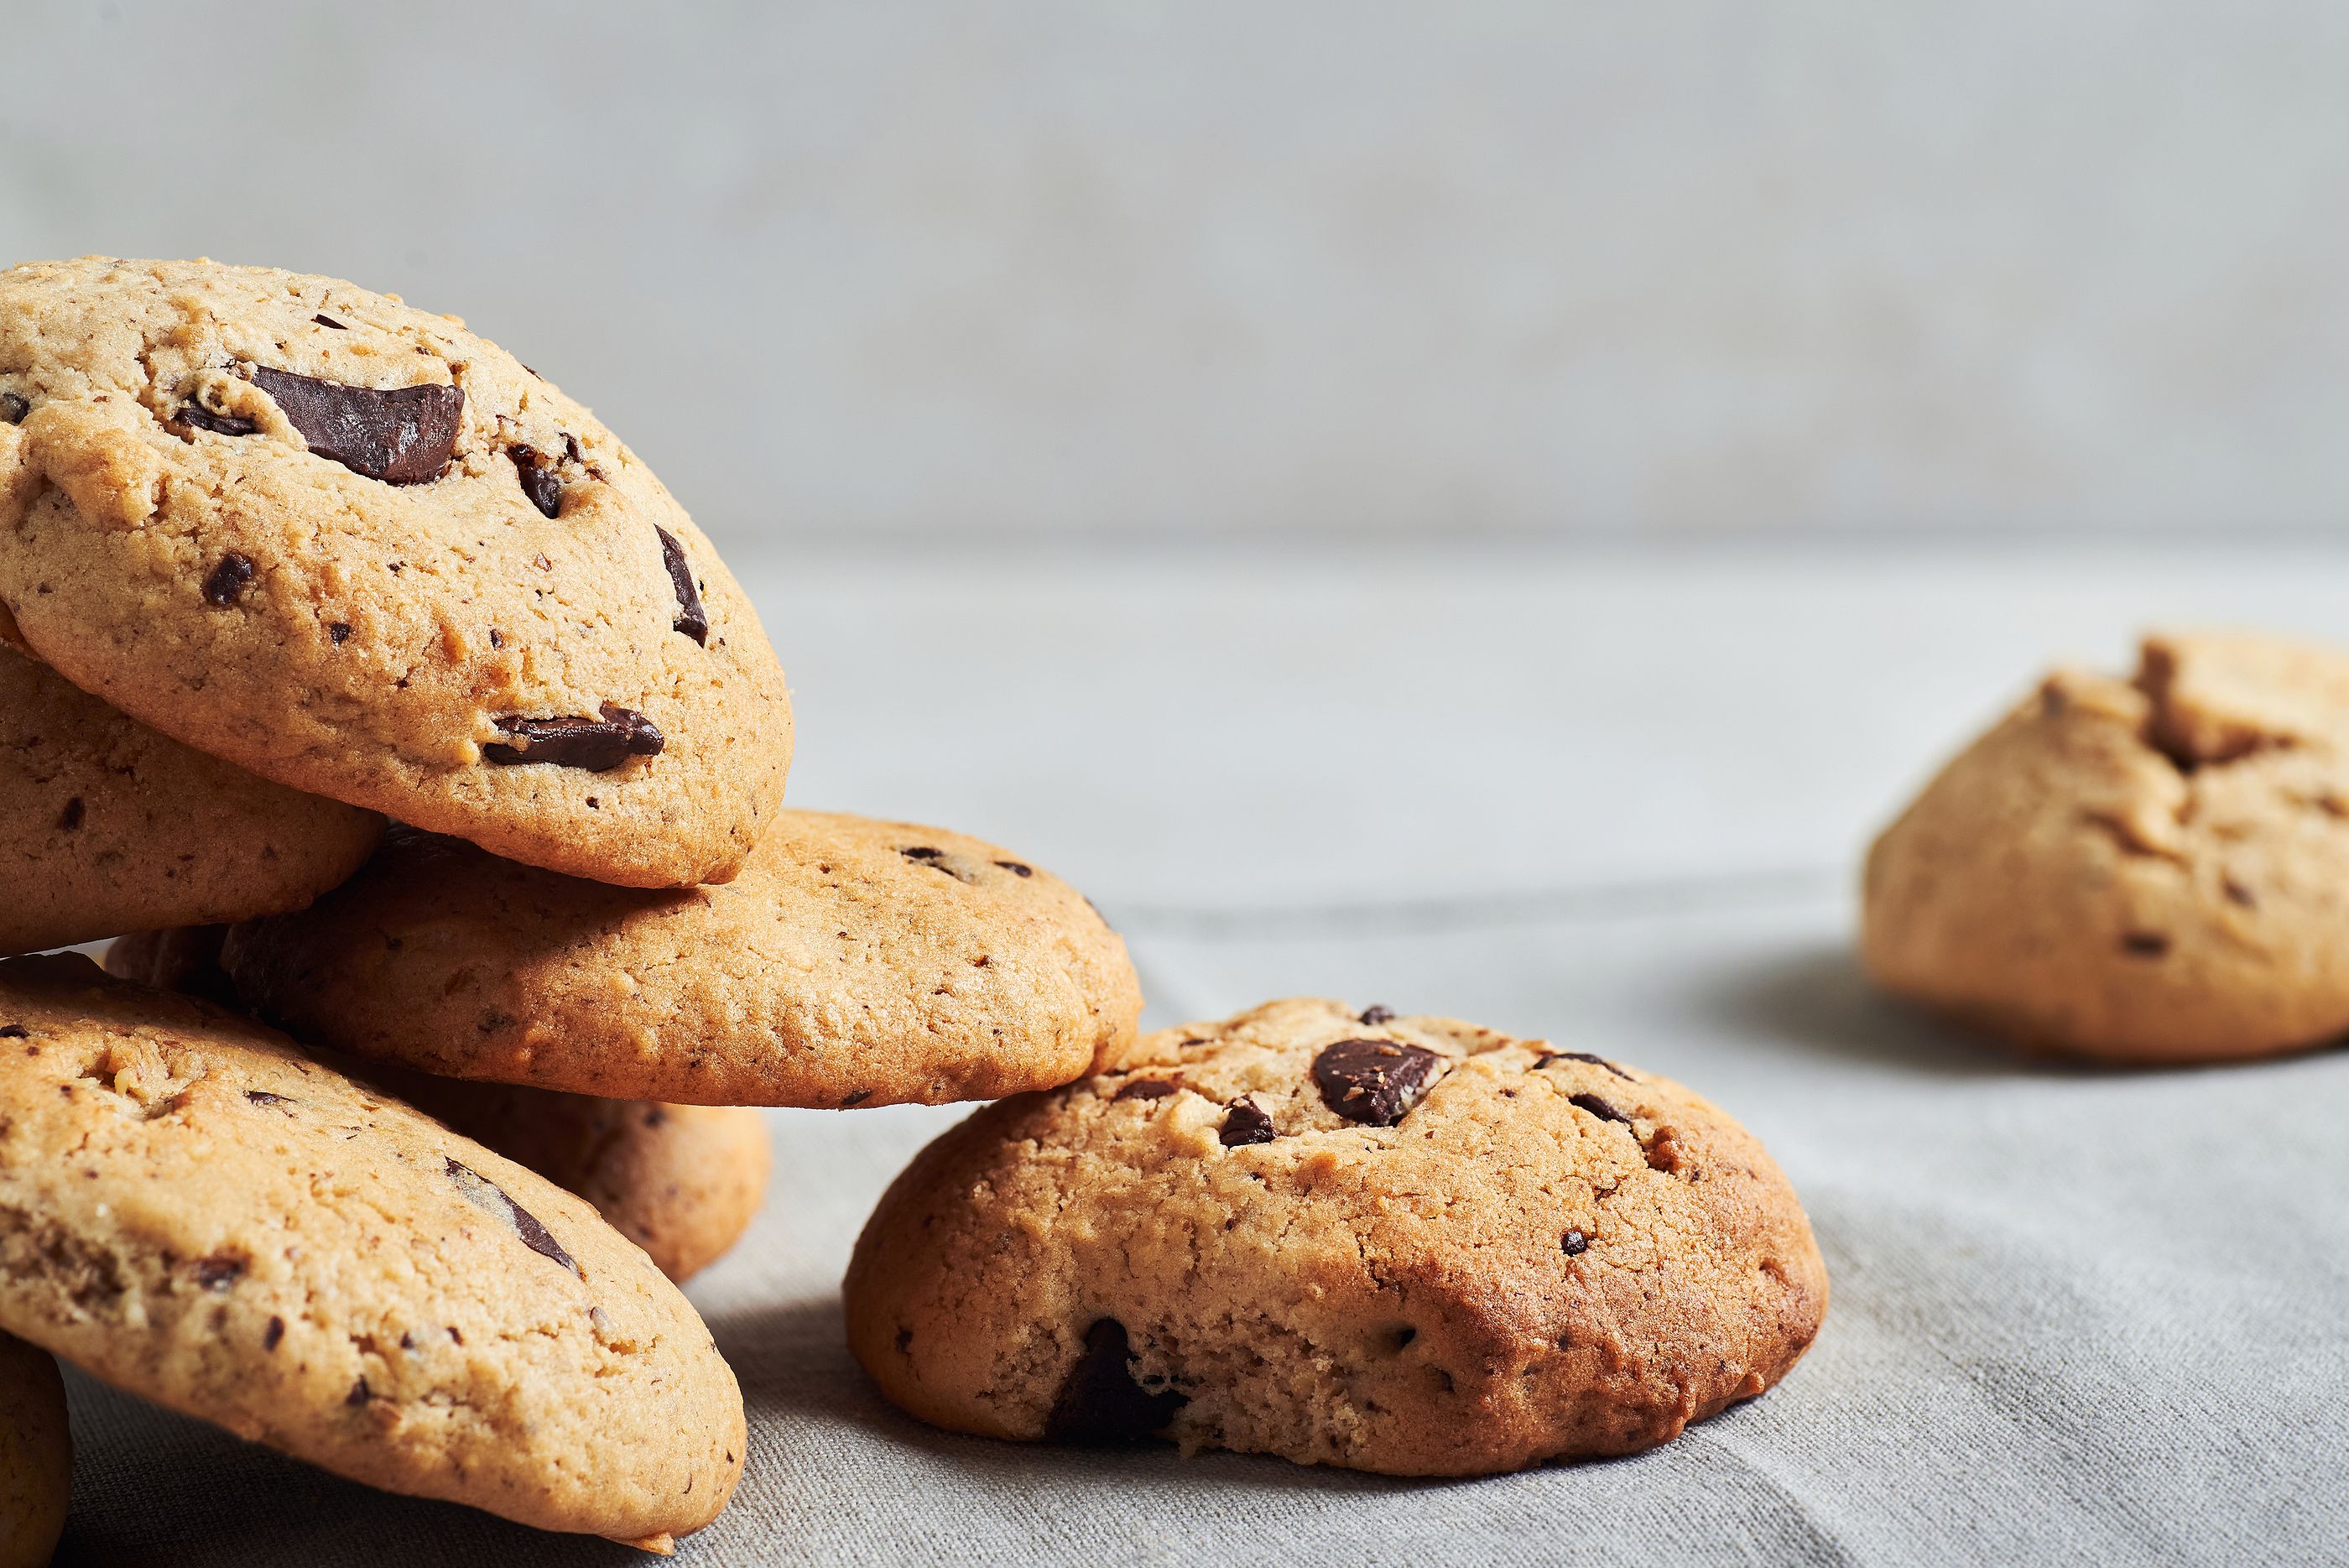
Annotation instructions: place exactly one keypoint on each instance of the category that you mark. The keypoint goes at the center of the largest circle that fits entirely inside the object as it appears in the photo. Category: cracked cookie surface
(2152, 870)
(107, 826)
(1399, 1244)
(683, 1182)
(853, 963)
(196, 1212)
(36, 1455)
(352, 547)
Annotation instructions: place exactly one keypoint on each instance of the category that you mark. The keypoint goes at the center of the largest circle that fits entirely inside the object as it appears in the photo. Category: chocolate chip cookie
(356, 549)
(35, 1455)
(683, 1182)
(192, 1211)
(853, 962)
(107, 826)
(1399, 1244)
(2148, 870)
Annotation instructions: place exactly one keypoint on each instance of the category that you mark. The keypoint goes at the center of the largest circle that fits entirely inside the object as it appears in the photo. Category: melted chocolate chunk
(1376, 1015)
(538, 480)
(1245, 1123)
(1015, 869)
(228, 580)
(217, 1273)
(15, 1032)
(1101, 1402)
(1146, 1089)
(1574, 1243)
(1599, 1107)
(401, 436)
(13, 408)
(195, 416)
(489, 1197)
(1546, 1057)
(1374, 1082)
(691, 618)
(597, 745)
(323, 319)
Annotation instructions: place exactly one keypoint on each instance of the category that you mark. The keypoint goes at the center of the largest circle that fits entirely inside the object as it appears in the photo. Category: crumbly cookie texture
(1399, 1244)
(352, 547)
(2154, 870)
(107, 826)
(36, 1455)
(192, 1210)
(683, 1182)
(853, 962)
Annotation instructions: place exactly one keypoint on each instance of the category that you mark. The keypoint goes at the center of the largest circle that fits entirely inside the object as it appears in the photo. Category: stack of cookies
(427, 767)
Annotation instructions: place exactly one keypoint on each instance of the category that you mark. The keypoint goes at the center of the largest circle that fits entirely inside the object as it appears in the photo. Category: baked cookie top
(355, 549)
(107, 826)
(192, 1210)
(853, 963)
(2145, 870)
(1394, 1243)
(35, 1455)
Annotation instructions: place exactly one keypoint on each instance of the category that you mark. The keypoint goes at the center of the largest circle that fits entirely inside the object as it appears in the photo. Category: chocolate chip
(358, 1395)
(1015, 869)
(1574, 1244)
(1101, 1402)
(228, 580)
(921, 852)
(340, 631)
(324, 320)
(855, 1098)
(13, 408)
(540, 483)
(264, 1097)
(1245, 1123)
(1146, 1089)
(1599, 1107)
(1546, 1057)
(691, 618)
(13, 1031)
(488, 1196)
(497, 639)
(274, 1335)
(401, 436)
(2146, 944)
(904, 1341)
(1374, 1014)
(597, 745)
(195, 416)
(217, 1273)
(1374, 1082)
(70, 818)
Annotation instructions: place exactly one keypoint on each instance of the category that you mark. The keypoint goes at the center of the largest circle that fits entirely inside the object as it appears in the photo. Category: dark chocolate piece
(13, 408)
(598, 745)
(1146, 1089)
(323, 319)
(1374, 1082)
(264, 1097)
(274, 1335)
(1015, 869)
(401, 436)
(1245, 1123)
(538, 480)
(1377, 1015)
(1573, 1242)
(217, 1273)
(691, 618)
(195, 416)
(228, 580)
(1546, 1057)
(488, 1196)
(70, 818)
(1101, 1402)
(1599, 1107)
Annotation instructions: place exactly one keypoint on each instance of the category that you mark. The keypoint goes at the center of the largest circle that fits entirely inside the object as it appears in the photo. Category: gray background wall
(855, 271)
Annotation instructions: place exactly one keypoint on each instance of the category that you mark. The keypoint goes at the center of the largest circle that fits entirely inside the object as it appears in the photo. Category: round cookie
(683, 1182)
(853, 963)
(2146, 871)
(1407, 1245)
(192, 1211)
(355, 549)
(35, 1455)
(107, 826)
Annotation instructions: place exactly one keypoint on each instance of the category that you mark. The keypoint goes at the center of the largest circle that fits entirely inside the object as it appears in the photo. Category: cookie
(853, 963)
(683, 1182)
(2141, 871)
(354, 548)
(192, 1211)
(107, 826)
(35, 1455)
(1408, 1245)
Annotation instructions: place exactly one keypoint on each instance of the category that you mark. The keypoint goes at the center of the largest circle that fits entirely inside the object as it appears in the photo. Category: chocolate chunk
(70, 818)
(1245, 1123)
(217, 1273)
(855, 1098)
(13, 408)
(1375, 1014)
(2146, 944)
(691, 618)
(228, 580)
(323, 319)
(538, 480)
(597, 745)
(340, 631)
(1374, 1082)
(1146, 1089)
(1101, 1402)
(1599, 1107)
(1574, 1243)
(1546, 1057)
(15, 1032)
(1015, 869)
(274, 1335)
(359, 1393)
(195, 416)
(401, 436)
(489, 1197)
(264, 1097)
